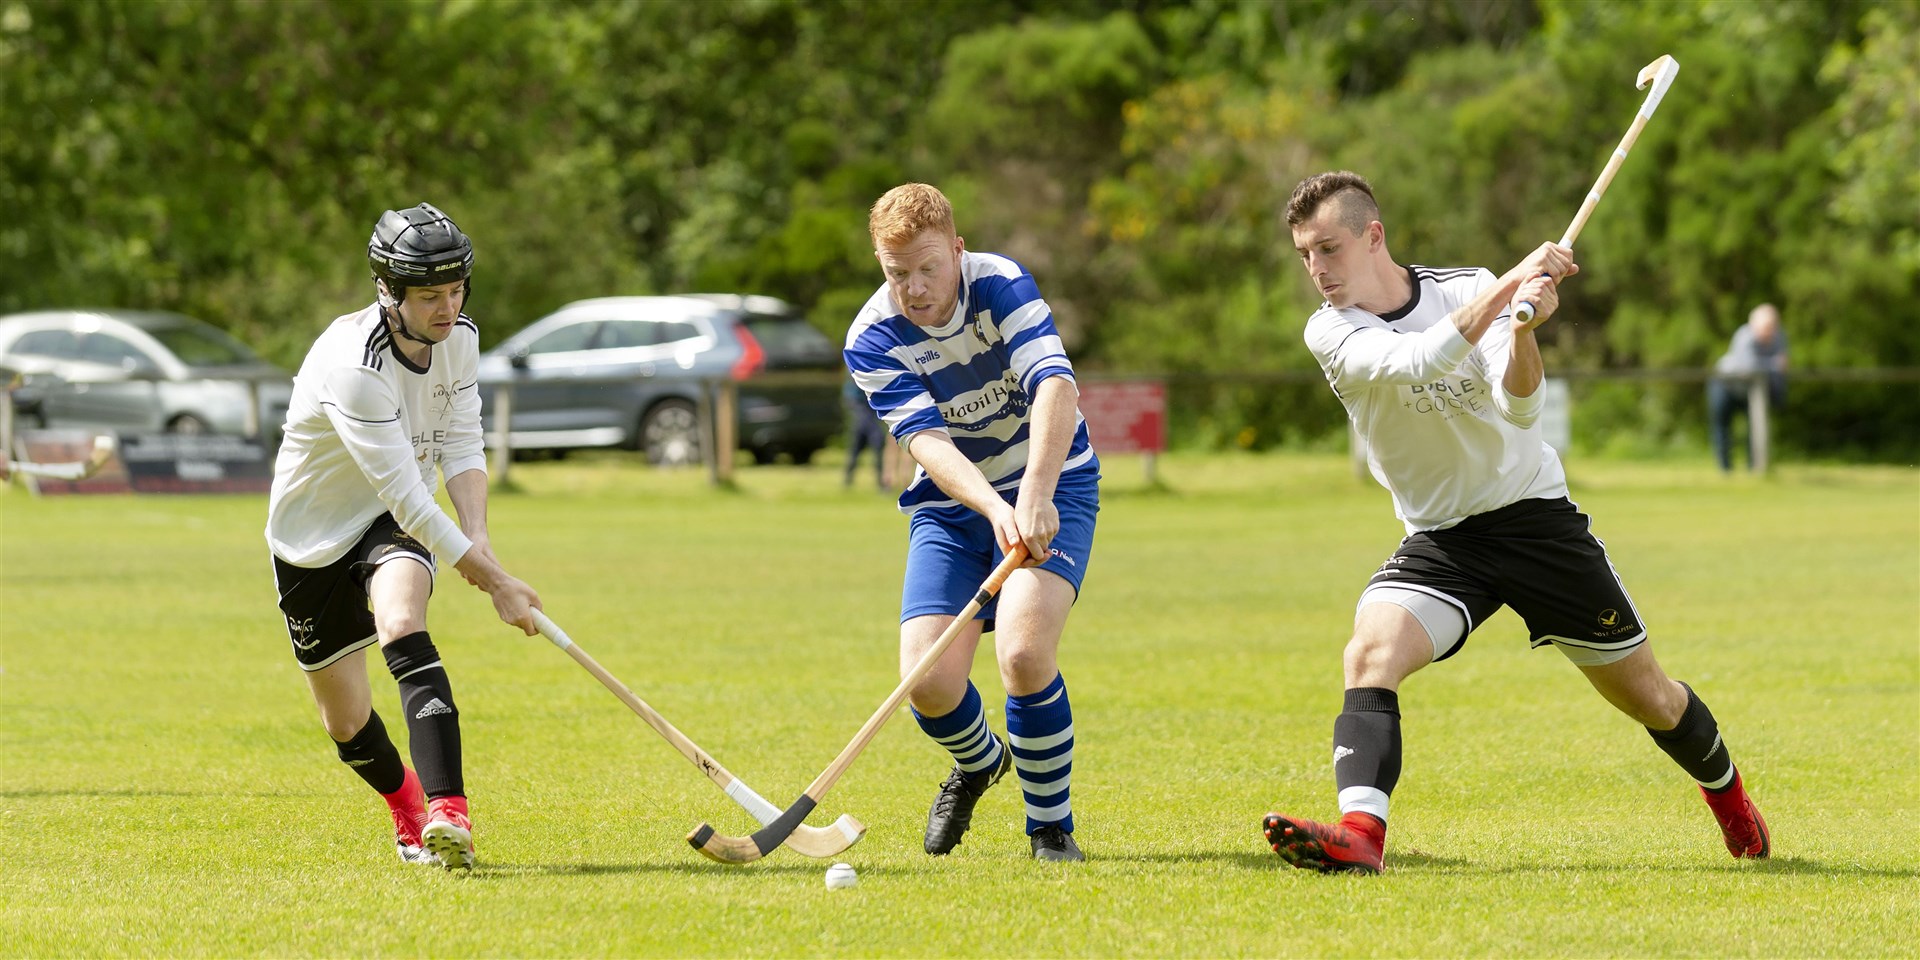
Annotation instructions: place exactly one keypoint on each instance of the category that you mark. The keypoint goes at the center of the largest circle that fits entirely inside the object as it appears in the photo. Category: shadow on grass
(133, 792)
(1417, 862)
(1239, 859)
(1414, 862)
(487, 870)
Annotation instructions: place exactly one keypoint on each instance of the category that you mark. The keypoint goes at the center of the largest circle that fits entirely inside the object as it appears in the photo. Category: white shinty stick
(808, 840)
(737, 850)
(1660, 73)
(103, 447)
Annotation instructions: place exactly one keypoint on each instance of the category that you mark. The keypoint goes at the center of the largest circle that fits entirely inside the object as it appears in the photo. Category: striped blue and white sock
(1040, 726)
(964, 733)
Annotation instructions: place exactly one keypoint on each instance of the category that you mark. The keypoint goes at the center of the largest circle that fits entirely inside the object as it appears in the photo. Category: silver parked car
(628, 372)
(138, 371)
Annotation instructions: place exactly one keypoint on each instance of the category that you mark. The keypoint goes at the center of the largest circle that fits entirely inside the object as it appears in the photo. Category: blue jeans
(1727, 399)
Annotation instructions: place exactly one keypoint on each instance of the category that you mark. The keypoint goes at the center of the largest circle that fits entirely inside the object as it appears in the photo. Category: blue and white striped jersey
(973, 377)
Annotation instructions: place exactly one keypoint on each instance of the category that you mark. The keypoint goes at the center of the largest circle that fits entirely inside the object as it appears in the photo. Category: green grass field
(165, 787)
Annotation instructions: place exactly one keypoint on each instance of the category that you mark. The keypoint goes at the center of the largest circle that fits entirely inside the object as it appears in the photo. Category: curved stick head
(720, 848)
(828, 841)
(725, 849)
(1660, 73)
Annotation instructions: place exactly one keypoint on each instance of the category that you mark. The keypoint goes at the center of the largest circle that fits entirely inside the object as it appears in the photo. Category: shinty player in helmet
(386, 395)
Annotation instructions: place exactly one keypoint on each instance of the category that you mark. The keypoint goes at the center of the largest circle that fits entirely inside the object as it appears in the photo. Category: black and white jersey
(1441, 431)
(365, 430)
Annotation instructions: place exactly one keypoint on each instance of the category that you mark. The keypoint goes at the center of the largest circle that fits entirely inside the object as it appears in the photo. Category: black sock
(433, 721)
(1366, 745)
(371, 755)
(1695, 745)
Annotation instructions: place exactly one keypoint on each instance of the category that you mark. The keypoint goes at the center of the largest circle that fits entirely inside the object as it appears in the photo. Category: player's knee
(392, 626)
(1374, 659)
(1026, 671)
(342, 725)
(1659, 707)
(936, 695)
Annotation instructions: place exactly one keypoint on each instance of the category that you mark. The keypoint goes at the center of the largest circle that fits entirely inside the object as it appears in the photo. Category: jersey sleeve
(1356, 355)
(1496, 347)
(1026, 324)
(465, 449)
(894, 392)
(365, 412)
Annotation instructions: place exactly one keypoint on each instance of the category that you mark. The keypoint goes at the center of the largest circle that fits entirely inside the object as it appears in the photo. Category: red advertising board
(1125, 416)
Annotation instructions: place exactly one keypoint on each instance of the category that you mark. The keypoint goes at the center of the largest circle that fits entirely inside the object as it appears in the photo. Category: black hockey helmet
(418, 247)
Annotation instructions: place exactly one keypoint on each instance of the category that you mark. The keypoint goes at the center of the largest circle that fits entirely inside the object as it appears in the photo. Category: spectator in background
(1758, 347)
(864, 432)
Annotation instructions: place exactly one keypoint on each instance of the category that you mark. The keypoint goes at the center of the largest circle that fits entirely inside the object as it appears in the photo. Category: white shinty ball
(841, 876)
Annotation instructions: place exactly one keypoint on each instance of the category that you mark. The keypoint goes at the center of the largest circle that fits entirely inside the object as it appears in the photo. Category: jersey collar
(393, 345)
(1413, 301)
(960, 304)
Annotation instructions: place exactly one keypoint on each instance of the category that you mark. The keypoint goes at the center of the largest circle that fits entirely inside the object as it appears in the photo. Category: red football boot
(1740, 822)
(1354, 844)
(409, 808)
(449, 833)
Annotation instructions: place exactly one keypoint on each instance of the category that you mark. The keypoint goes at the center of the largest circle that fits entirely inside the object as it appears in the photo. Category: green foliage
(228, 159)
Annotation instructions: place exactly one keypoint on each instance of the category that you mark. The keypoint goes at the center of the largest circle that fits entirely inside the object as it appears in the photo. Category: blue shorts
(951, 550)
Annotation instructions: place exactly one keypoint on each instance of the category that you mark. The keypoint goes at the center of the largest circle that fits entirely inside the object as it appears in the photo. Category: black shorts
(1538, 557)
(326, 607)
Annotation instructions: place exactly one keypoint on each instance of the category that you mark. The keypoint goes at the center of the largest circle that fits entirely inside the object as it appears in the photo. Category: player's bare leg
(345, 699)
(940, 691)
(1687, 731)
(1389, 644)
(1032, 616)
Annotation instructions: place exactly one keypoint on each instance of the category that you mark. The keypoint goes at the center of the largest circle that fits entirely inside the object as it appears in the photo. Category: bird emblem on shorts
(301, 632)
(1609, 617)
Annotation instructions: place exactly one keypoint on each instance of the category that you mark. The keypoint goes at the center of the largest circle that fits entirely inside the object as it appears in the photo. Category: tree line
(227, 160)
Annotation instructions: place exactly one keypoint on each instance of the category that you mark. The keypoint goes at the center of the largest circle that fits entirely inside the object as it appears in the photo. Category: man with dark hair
(386, 396)
(1443, 387)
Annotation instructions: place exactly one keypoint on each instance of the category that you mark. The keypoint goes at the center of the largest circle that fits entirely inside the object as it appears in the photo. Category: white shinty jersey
(1441, 431)
(364, 433)
(973, 377)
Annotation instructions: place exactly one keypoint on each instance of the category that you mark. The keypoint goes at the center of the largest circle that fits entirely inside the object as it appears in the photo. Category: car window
(615, 334)
(60, 344)
(202, 347)
(674, 331)
(790, 340)
(573, 336)
(114, 352)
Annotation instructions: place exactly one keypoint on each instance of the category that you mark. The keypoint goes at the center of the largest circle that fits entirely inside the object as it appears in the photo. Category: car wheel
(189, 424)
(765, 455)
(670, 434)
(803, 455)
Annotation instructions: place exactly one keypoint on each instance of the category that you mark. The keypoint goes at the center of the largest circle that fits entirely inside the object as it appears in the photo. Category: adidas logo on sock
(358, 763)
(433, 708)
(1340, 751)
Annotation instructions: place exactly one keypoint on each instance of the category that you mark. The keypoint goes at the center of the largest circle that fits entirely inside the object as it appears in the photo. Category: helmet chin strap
(397, 321)
(399, 325)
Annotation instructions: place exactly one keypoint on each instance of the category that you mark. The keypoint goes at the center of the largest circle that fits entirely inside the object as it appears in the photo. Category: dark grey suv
(627, 372)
